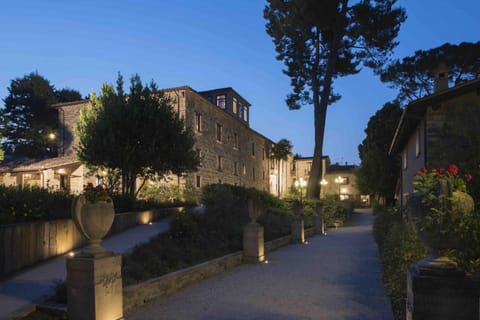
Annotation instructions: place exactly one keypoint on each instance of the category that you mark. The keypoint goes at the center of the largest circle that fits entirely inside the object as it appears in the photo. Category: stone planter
(93, 220)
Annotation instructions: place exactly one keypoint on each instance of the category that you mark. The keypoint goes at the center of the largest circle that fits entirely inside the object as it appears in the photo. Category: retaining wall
(24, 244)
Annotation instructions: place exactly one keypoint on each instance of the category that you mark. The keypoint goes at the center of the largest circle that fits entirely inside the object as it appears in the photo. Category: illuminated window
(198, 122)
(221, 101)
(245, 113)
(219, 132)
(244, 169)
(235, 106)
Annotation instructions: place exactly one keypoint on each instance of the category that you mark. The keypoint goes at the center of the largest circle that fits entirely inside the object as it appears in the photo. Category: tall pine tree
(321, 40)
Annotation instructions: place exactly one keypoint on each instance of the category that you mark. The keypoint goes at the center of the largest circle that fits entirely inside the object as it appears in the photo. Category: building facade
(230, 151)
(420, 132)
(337, 179)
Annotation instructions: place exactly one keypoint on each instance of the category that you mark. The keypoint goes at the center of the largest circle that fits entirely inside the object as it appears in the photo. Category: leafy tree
(138, 134)
(280, 151)
(413, 75)
(321, 40)
(378, 173)
(27, 121)
(1, 151)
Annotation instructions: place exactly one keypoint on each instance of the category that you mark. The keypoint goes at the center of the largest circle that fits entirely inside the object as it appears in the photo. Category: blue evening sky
(207, 44)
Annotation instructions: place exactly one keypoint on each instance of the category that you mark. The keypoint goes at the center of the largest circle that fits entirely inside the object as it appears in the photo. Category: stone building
(230, 151)
(419, 134)
(336, 179)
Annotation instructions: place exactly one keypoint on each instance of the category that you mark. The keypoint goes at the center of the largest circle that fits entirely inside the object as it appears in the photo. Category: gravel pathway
(332, 277)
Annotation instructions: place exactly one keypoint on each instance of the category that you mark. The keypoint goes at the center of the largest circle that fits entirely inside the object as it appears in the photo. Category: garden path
(332, 277)
(20, 292)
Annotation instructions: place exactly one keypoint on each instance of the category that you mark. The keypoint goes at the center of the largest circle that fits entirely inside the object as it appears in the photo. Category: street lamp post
(339, 180)
(300, 184)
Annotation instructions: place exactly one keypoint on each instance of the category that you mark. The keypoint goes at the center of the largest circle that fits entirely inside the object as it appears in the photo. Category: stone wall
(243, 152)
(22, 245)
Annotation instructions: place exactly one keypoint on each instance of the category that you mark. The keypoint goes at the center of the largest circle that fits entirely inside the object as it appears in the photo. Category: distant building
(419, 131)
(337, 179)
(230, 151)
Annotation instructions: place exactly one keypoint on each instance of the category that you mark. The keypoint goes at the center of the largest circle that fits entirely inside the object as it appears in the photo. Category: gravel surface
(337, 276)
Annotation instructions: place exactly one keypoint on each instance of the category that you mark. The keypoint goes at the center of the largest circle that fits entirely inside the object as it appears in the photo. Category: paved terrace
(20, 293)
(332, 277)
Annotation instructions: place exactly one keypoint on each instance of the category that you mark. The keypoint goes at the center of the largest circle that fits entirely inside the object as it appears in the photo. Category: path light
(266, 262)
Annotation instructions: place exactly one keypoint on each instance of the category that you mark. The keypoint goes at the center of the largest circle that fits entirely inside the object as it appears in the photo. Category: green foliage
(28, 119)
(139, 134)
(413, 75)
(378, 173)
(19, 204)
(194, 238)
(320, 41)
(399, 250)
(172, 194)
(336, 213)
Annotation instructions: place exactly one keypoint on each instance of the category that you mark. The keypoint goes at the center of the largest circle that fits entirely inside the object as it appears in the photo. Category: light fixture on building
(51, 136)
(301, 183)
(61, 171)
(339, 180)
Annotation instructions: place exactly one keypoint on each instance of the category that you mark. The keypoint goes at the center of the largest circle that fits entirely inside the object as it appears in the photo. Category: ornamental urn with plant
(93, 214)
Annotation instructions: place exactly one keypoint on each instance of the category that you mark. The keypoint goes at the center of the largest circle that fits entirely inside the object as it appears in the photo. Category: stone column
(319, 222)
(298, 232)
(441, 295)
(94, 287)
(253, 242)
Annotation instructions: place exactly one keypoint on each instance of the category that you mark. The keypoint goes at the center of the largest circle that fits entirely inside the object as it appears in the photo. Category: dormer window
(245, 113)
(221, 101)
(235, 106)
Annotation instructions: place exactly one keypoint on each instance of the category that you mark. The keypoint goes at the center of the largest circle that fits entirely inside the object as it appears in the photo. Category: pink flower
(423, 170)
(468, 177)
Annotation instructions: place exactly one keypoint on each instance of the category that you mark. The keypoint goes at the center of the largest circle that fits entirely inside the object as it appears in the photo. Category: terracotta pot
(93, 220)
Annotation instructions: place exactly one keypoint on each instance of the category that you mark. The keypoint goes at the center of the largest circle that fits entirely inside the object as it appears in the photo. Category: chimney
(441, 77)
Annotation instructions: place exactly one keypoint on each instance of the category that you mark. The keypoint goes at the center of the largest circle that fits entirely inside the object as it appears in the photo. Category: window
(221, 101)
(210, 99)
(253, 149)
(235, 106)
(219, 132)
(219, 163)
(417, 143)
(219, 181)
(240, 110)
(263, 154)
(199, 182)
(253, 173)
(235, 141)
(235, 168)
(245, 113)
(198, 122)
(244, 169)
(200, 156)
(404, 159)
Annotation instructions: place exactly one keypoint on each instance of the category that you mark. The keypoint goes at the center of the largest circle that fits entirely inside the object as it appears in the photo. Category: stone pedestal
(253, 245)
(441, 296)
(298, 233)
(94, 288)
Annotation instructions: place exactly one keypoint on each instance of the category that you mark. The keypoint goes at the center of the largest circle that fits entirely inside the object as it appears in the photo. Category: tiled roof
(31, 165)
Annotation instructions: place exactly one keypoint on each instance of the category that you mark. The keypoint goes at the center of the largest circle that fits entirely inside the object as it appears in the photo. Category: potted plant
(438, 205)
(93, 214)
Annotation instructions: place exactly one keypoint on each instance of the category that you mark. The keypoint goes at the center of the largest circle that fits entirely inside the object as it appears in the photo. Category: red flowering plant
(439, 191)
(96, 194)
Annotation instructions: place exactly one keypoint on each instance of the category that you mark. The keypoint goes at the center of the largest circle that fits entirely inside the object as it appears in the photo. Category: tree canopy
(27, 122)
(414, 77)
(138, 134)
(378, 173)
(321, 40)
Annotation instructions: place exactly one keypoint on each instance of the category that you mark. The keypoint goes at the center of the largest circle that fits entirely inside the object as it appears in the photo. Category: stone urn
(93, 220)
(437, 234)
